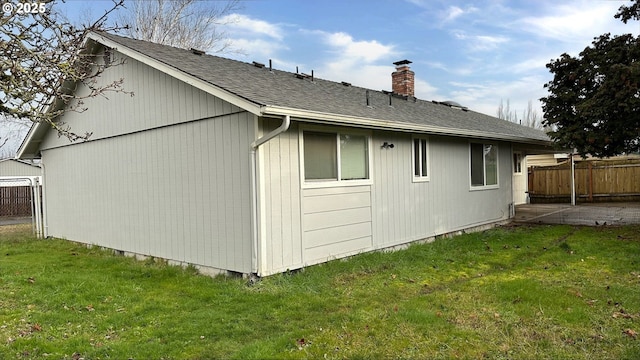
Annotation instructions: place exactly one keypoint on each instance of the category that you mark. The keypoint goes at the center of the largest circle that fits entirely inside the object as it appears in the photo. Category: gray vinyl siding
(166, 174)
(406, 211)
(312, 225)
(281, 207)
(336, 222)
(158, 100)
(12, 167)
(179, 193)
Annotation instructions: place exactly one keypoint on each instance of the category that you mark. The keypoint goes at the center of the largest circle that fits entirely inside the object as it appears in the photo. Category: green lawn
(521, 292)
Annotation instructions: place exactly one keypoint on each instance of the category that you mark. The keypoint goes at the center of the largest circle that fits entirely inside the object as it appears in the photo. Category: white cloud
(258, 49)
(254, 39)
(360, 51)
(355, 61)
(485, 97)
(480, 42)
(424, 90)
(376, 77)
(531, 64)
(578, 22)
(486, 42)
(453, 12)
(244, 24)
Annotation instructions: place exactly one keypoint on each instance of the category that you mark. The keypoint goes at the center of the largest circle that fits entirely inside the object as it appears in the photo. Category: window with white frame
(484, 165)
(420, 159)
(331, 156)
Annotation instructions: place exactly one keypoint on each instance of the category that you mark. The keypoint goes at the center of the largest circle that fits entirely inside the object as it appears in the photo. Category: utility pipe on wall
(257, 253)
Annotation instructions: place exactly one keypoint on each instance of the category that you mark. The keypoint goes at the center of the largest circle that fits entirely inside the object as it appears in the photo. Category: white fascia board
(336, 119)
(180, 75)
(30, 139)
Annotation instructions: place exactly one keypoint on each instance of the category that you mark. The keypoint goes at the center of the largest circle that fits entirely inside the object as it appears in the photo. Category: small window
(517, 163)
(335, 157)
(484, 165)
(420, 159)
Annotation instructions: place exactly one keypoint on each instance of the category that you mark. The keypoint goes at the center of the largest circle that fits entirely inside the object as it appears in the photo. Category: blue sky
(474, 52)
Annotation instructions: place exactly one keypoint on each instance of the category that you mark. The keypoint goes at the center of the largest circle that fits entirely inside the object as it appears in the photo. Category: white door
(519, 178)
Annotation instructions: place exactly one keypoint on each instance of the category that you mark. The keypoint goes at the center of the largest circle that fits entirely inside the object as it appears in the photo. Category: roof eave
(337, 119)
(26, 149)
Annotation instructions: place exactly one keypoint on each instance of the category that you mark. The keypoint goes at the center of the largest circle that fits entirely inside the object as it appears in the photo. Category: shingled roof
(275, 89)
(268, 91)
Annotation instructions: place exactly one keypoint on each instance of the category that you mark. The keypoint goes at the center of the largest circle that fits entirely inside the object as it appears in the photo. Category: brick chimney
(402, 80)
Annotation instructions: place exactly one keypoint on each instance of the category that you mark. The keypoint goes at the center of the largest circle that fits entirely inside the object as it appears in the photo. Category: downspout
(257, 261)
(512, 204)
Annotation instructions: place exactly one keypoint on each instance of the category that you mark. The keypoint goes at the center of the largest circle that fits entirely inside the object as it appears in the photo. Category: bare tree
(181, 23)
(505, 113)
(43, 59)
(529, 116)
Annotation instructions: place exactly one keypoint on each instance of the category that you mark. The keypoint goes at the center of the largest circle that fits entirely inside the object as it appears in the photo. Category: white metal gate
(34, 184)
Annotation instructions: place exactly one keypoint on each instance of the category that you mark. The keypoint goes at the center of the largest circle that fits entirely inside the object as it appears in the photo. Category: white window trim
(413, 160)
(485, 187)
(333, 183)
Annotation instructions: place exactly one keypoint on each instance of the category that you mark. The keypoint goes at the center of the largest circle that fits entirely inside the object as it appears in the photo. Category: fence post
(590, 181)
(573, 181)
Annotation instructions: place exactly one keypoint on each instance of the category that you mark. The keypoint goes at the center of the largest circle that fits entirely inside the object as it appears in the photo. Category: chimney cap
(402, 62)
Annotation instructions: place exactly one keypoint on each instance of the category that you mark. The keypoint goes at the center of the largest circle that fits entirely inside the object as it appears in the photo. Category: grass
(518, 292)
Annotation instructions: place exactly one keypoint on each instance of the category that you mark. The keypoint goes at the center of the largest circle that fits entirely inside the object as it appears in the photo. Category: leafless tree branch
(43, 59)
(529, 116)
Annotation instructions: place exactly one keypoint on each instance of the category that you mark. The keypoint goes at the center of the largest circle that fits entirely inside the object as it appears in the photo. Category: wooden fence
(595, 180)
(15, 201)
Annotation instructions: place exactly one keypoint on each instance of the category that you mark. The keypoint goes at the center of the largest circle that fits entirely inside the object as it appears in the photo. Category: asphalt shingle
(284, 89)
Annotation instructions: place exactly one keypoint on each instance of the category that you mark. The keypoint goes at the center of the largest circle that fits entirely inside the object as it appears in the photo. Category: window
(335, 157)
(420, 159)
(354, 163)
(517, 163)
(320, 156)
(484, 165)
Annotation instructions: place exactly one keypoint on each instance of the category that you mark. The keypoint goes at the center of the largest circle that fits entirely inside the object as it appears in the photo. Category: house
(239, 167)
(12, 168)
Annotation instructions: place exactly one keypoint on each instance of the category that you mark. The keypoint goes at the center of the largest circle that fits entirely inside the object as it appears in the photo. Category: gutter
(335, 119)
(258, 253)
